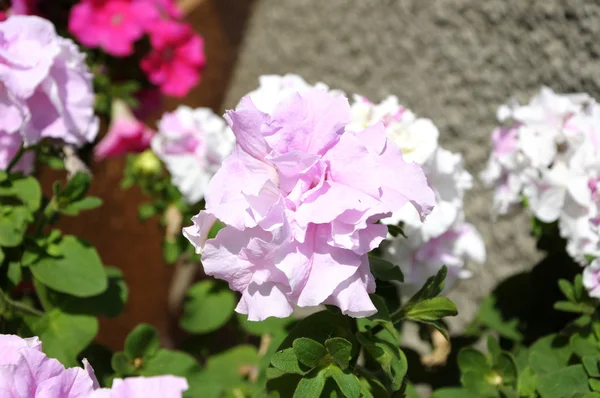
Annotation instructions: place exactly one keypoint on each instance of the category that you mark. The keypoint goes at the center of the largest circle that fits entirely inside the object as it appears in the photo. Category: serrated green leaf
(143, 342)
(78, 271)
(384, 270)
(207, 307)
(308, 351)
(340, 350)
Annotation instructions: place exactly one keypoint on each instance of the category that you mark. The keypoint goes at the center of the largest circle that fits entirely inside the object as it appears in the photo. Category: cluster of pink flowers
(46, 89)
(26, 372)
(548, 153)
(177, 54)
(444, 238)
(301, 195)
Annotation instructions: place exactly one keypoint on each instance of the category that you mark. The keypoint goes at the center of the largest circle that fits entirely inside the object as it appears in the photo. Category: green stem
(5, 300)
(49, 211)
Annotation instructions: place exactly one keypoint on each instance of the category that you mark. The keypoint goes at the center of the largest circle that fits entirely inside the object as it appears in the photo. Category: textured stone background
(453, 61)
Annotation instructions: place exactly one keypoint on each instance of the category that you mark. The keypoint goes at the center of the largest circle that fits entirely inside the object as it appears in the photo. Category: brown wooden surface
(121, 239)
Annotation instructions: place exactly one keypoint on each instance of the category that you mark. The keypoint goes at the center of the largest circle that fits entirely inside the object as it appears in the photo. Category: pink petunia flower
(176, 59)
(126, 134)
(300, 196)
(48, 76)
(26, 372)
(113, 25)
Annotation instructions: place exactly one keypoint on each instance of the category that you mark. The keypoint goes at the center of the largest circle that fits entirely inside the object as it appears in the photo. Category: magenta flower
(113, 25)
(300, 196)
(125, 134)
(176, 59)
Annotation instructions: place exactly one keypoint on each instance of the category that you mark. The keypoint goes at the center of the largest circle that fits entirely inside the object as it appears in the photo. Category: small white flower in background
(416, 137)
(444, 237)
(273, 89)
(548, 152)
(192, 143)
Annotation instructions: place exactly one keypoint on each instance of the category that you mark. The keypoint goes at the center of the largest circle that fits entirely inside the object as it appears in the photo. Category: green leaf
(214, 230)
(207, 307)
(490, 316)
(122, 365)
(78, 271)
(469, 359)
(268, 326)
(527, 383)
(76, 188)
(594, 384)
(381, 317)
(590, 363)
(568, 306)
(28, 190)
(346, 381)
(431, 309)
(2, 256)
(384, 270)
(287, 362)
(64, 335)
(229, 367)
(545, 356)
(494, 349)
(453, 392)
(567, 289)
(146, 210)
(13, 224)
(142, 342)
(87, 203)
(563, 383)
(578, 287)
(308, 351)
(109, 303)
(14, 273)
(432, 287)
(396, 230)
(340, 350)
(310, 386)
(165, 362)
(389, 356)
(507, 368)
